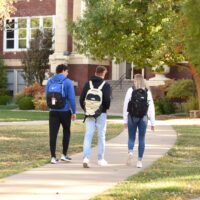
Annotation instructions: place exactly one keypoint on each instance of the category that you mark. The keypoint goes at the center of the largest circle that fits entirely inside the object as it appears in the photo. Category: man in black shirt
(100, 121)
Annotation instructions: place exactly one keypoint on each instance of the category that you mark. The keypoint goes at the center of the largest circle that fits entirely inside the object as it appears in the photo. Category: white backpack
(93, 101)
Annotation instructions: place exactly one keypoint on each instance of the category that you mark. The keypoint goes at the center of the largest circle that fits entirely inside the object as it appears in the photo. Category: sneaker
(102, 162)
(129, 161)
(54, 160)
(65, 158)
(86, 163)
(139, 164)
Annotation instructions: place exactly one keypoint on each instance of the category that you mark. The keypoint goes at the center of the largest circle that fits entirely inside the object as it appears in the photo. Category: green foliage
(191, 104)
(3, 78)
(18, 97)
(26, 103)
(181, 89)
(36, 59)
(192, 32)
(164, 106)
(5, 99)
(135, 31)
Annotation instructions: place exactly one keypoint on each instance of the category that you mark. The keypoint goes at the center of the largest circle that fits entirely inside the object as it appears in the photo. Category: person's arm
(151, 110)
(106, 96)
(83, 95)
(125, 107)
(71, 95)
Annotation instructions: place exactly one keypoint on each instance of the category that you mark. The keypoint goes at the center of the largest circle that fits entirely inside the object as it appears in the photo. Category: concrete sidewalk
(70, 181)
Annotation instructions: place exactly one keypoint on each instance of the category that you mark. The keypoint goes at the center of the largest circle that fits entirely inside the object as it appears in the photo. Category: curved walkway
(70, 181)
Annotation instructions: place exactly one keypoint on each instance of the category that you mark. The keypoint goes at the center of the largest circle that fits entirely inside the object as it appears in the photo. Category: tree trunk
(196, 77)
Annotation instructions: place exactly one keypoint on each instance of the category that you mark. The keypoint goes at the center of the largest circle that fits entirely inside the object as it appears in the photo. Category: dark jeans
(134, 124)
(55, 119)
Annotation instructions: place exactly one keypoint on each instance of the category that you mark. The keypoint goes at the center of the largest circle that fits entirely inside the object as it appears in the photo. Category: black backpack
(138, 105)
(55, 95)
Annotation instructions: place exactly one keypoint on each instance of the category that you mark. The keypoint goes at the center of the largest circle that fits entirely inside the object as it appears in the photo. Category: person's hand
(152, 128)
(73, 118)
(125, 126)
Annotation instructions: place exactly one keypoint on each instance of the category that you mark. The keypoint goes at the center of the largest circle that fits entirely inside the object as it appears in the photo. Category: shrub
(5, 99)
(40, 102)
(158, 109)
(181, 90)
(191, 104)
(18, 97)
(26, 103)
(164, 106)
(33, 90)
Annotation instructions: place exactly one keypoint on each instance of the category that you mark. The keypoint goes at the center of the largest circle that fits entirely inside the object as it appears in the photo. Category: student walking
(61, 101)
(138, 108)
(95, 101)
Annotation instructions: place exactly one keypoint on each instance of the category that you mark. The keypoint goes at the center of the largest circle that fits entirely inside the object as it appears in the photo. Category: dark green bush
(5, 99)
(18, 97)
(181, 90)
(164, 106)
(26, 103)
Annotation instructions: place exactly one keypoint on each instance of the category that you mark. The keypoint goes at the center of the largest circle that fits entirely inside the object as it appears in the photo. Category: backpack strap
(91, 85)
(101, 86)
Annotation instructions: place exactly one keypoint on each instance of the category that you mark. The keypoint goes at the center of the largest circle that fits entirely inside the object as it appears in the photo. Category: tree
(191, 14)
(3, 77)
(123, 30)
(35, 60)
(6, 8)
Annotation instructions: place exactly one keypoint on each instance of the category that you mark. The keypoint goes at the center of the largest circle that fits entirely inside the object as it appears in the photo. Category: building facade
(52, 15)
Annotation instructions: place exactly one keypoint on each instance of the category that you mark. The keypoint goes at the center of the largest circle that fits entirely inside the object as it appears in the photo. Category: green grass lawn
(175, 176)
(25, 147)
(9, 116)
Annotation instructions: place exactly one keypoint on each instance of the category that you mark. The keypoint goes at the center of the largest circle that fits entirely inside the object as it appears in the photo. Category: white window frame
(28, 32)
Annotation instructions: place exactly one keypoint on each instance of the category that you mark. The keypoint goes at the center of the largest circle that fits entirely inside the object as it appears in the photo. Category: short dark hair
(100, 69)
(60, 68)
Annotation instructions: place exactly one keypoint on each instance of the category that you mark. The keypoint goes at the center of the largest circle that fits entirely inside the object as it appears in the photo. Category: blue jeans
(100, 125)
(133, 124)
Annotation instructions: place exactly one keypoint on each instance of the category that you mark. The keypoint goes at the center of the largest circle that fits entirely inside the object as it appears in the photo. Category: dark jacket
(96, 81)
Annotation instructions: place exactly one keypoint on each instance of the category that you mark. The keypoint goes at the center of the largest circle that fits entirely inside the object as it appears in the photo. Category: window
(20, 30)
(22, 33)
(10, 34)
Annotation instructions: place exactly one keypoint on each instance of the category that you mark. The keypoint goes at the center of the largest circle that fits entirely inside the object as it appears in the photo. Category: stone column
(60, 55)
(115, 71)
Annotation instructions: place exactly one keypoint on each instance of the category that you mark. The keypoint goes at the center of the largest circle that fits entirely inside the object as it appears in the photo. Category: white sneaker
(139, 164)
(53, 160)
(65, 158)
(86, 163)
(129, 161)
(102, 162)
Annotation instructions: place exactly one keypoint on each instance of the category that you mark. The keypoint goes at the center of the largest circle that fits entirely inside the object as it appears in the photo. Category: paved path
(70, 181)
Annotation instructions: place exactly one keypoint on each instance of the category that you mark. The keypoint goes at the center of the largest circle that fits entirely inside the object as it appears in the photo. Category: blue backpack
(56, 98)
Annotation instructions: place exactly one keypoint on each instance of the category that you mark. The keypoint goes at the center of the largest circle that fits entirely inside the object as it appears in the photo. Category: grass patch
(25, 147)
(175, 176)
(8, 107)
(9, 116)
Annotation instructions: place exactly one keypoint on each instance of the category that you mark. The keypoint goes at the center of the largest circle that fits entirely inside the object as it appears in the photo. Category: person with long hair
(134, 120)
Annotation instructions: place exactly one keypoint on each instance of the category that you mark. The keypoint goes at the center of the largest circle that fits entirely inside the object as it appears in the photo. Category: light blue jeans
(91, 125)
(134, 124)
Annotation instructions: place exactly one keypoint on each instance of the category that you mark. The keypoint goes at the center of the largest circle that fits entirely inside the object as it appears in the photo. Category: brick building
(52, 15)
